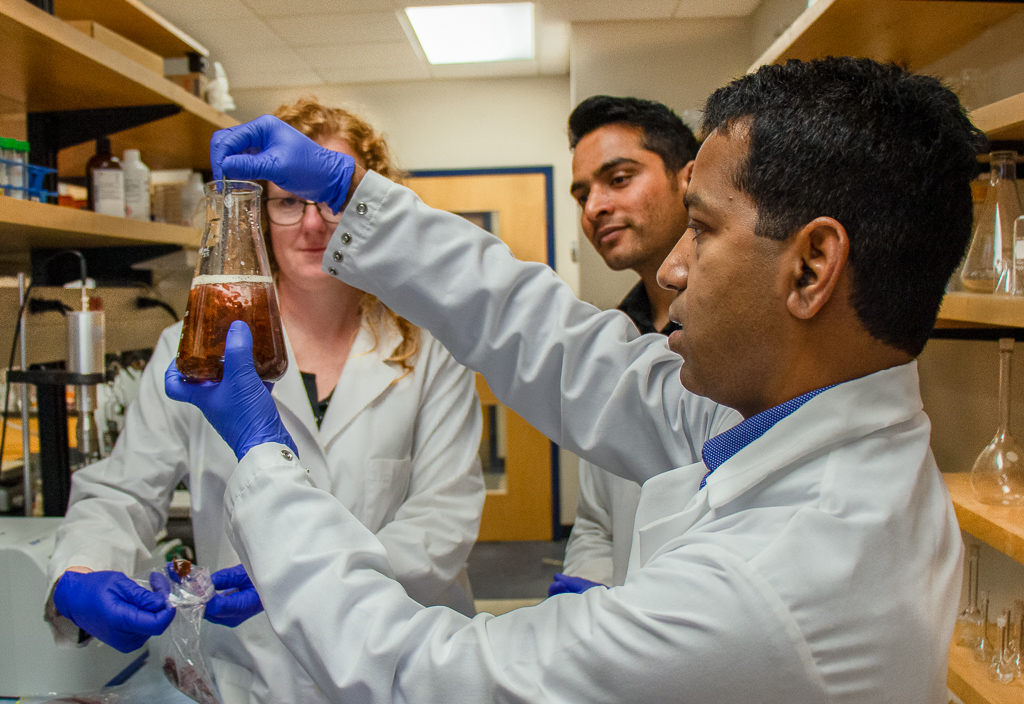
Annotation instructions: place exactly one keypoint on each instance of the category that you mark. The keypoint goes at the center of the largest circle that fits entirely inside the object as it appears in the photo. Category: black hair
(887, 153)
(664, 133)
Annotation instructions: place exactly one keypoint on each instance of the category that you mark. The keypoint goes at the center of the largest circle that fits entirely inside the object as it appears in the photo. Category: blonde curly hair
(319, 122)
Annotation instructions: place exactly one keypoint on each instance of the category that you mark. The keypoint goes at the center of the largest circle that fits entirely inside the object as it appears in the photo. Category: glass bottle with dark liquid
(232, 282)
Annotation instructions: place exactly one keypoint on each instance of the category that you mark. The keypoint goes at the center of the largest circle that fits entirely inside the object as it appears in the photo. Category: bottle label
(108, 191)
(136, 196)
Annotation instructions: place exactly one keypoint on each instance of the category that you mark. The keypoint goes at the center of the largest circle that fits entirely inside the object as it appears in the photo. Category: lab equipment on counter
(988, 267)
(997, 476)
(86, 355)
(232, 282)
(105, 181)
(30, 661)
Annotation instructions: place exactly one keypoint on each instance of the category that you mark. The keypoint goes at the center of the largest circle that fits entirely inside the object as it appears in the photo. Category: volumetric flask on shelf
(988, 267)
(997, 476)
(967, 631)
(232, 282)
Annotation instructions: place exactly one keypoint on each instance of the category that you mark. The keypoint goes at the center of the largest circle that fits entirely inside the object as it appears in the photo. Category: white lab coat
(598, 547)
(821, 563)
(398, 450)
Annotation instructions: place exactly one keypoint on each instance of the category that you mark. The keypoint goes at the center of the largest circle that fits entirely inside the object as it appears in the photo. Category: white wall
(679, 63)
(461, 124)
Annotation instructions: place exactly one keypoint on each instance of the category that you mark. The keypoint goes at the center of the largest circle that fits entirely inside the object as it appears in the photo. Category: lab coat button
(287, 455)
(338, 256)
(332, 271)
(361, 208)
(346, 238)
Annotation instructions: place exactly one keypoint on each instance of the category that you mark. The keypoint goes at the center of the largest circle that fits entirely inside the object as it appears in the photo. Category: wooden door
(520, 464)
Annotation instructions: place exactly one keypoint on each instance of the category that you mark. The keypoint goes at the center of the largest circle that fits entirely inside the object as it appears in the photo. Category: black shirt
(319, 407)
(637, 306)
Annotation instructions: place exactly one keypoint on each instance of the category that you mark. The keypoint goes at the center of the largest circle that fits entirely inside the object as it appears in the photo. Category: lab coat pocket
(387, 485)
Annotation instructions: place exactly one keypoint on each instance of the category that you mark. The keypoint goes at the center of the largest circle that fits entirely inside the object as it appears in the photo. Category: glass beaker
(997, 476)
(988, 266)
(232, 282)
(968, 622)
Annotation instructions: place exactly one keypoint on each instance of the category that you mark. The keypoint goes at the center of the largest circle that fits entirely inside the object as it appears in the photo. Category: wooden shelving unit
(1002, 527)
(1002, 120)
(981, 309)
(969, 680)
(913, 33)
(25, 225)
(49, 65)
(132, 20)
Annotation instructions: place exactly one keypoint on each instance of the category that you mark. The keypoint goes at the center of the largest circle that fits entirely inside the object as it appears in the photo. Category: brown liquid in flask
(232, 282)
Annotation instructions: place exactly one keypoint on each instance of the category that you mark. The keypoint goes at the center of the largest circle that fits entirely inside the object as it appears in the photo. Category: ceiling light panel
(459, 34)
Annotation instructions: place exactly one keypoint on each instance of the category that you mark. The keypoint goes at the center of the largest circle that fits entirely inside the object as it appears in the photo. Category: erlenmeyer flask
(998, 474)
(232, 282)
(988, 267)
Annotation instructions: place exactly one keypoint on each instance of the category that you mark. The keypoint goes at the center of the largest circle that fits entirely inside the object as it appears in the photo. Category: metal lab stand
(54, 453)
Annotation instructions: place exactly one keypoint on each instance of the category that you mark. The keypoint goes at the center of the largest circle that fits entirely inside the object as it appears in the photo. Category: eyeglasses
(290, 210)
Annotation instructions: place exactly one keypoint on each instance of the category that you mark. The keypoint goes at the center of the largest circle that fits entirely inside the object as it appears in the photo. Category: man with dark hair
(819, 558)
(630, 167)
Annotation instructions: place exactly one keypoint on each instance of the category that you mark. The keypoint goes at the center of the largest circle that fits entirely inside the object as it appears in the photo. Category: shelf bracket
(49, 132)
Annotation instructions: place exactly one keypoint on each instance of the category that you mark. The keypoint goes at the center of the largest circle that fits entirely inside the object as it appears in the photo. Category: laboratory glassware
(985, 649)
(232, 282)
(1018, 257)
(997, 476)
(968, 622)
(1003, 668)
(988, 266)
(105, 181)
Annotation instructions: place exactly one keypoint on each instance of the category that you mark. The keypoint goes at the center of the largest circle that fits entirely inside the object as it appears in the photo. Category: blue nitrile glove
(111, 607)
(236, 598)
(566, 584)
(239, 407)
(271, 149)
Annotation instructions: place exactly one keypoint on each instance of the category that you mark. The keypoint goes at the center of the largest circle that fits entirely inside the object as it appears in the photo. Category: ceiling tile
(224, 37)
(360, 55)
(276, 79)
(597, 10)
(284, 8)
(189, 14)
(357, 28)
(690, 9)
(490, 69)
(376, 74)
(249, 62)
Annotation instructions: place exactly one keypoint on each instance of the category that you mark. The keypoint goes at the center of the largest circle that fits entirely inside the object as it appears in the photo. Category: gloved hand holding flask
(239, 407)
(268, 148)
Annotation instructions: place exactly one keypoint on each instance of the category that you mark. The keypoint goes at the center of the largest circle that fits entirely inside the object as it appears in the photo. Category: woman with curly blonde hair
(381, 414)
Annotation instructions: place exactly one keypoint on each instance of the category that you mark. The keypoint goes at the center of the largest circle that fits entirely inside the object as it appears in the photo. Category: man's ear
(683, 176)
(818, 254)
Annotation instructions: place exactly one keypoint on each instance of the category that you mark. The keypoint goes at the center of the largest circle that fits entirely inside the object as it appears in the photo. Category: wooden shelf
(969, 680)
(913, 33)
(49, 65)
(1003, 120)
(1002, 527)
(983, 309)
(25, 225)
(132, 20)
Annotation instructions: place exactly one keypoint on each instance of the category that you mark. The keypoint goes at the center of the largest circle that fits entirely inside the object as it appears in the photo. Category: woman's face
(299, 248)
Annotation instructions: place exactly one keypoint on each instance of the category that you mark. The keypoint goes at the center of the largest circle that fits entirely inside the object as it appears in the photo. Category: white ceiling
(274, 43)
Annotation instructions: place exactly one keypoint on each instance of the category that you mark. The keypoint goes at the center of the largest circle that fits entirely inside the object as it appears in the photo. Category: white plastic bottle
(136, 185)
(191, 194)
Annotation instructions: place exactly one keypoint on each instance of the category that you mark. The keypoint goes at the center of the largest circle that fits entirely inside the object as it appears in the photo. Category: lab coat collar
(847, 411)
(831, 419)
(366, 377)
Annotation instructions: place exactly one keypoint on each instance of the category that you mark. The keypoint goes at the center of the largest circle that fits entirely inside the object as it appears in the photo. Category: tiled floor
(509, 575)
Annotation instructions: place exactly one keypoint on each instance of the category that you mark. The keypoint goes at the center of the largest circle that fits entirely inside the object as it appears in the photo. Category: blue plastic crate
(36, 174)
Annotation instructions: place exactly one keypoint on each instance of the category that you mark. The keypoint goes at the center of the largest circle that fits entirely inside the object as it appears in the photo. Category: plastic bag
(178, 648)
